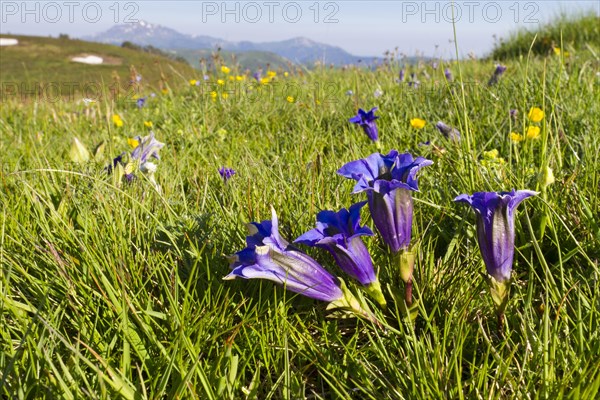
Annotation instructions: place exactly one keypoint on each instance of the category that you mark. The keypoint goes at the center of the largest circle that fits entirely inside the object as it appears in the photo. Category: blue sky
(362, 28)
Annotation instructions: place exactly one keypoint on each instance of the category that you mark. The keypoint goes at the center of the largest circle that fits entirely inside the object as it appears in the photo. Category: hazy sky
(366, 28)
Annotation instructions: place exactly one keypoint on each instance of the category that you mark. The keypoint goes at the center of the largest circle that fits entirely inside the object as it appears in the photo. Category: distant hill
(46, 61)
(298, 50)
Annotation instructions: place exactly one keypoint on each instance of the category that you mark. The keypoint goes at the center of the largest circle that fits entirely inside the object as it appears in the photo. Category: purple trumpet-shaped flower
(496, 228)
(367, 121)
(141, 102)
(401, 76)
(447, 131)
(388, 181)
(268, 256)
(340, 234)
(496, 75)
(226, 173)
(147, 147)
(139, 158)
(448, 74)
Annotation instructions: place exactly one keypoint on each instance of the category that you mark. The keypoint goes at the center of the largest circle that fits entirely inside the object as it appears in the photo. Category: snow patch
(94, 60)
(8, 42)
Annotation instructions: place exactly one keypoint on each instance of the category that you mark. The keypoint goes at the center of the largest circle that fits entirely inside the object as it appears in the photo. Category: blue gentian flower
(388, 180)
(141, 102)
(268, 256)
(367, 121)
(147, 147)
(498, 72)
(448, 74)
(340, 234)
(401, 75)
(496, 228)
(226, 173)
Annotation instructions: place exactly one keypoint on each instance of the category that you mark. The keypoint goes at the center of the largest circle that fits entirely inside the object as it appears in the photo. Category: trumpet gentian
(340, 234)
(226, 173)
(498, 72)
(496, 228)
(367, 121)
(388, 180)
(268, 256)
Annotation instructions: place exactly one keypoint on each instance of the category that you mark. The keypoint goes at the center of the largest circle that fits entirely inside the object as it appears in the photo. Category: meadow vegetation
(114, 289)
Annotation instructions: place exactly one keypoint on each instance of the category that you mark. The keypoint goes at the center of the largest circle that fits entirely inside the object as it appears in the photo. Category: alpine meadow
(412, 230)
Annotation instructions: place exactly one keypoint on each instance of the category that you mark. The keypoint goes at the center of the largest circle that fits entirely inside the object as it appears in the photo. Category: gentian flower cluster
(388, 180)
(268, 256)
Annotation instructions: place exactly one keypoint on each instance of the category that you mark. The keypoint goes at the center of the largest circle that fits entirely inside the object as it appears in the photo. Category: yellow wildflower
(290, 99)
(491, 155)
(213, 95)
(271, 74)
(556, 50)
(533, 132)
(193, 82)
(240, 78)
(232, 78)
(225, 70)
(417, 123)
(148, 124)
(286, 74)
(516, 137)
(133, 143)
(535, 114)
(220, 82)
(165, 91)
(116, 119)
(264, 81)
(225, 95)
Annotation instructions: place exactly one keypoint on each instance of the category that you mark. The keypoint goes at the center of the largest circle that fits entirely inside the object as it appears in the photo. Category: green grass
(565, 32)
(116, 291)
(45, 63)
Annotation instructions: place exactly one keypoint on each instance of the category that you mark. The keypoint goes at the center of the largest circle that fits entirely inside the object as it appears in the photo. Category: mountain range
(298, 50)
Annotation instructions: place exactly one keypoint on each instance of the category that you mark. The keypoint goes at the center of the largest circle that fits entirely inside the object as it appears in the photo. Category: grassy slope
(45, 60)
(112, 290)
(569, 33)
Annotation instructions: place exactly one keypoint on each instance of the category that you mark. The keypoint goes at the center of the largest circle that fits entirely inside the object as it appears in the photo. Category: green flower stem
(500, 293)
(406, 261)
(349, 302)
(374, 290)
